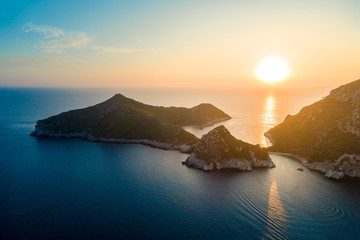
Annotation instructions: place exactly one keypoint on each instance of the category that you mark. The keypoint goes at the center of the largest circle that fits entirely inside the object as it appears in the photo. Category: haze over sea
(73, 189)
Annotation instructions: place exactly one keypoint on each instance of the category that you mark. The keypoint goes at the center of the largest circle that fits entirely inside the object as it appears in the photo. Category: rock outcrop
(324, 135)
(218, 149)
(124, 120)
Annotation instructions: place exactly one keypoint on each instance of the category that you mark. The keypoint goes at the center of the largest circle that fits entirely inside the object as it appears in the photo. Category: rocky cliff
(326, 134)
(218, 149)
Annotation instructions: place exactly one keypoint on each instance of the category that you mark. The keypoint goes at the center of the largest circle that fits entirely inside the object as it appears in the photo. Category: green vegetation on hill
(124, 118)
(219, 144)
(324, 130)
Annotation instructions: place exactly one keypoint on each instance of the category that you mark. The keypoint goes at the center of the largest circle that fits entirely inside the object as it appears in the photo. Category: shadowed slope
(124, 120)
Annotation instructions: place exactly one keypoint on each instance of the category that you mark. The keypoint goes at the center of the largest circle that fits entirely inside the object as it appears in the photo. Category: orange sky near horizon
(215, 45)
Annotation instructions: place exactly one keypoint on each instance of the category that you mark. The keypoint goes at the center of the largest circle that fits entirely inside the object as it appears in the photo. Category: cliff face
(218, 149)
(326, 134)
(124, 120)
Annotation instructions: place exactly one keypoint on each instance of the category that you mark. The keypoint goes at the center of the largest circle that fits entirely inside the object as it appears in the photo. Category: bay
(73, 189)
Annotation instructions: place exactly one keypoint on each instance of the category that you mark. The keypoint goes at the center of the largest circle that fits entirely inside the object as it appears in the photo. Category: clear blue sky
(176, 43)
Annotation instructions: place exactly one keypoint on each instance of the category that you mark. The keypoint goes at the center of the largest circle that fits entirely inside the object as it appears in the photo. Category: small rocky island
(218, 149)
(325, 136)
(124, 120)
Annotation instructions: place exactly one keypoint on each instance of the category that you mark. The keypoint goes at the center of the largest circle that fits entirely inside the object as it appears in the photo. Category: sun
(272, 69)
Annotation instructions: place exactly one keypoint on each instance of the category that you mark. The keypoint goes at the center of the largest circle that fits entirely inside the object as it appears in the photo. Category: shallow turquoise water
(73, 189)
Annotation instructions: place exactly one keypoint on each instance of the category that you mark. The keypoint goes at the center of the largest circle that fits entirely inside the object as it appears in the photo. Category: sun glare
(272, 69)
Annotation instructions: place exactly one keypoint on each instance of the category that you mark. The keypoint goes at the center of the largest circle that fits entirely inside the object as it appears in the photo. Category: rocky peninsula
(218, 149)
(124, 120)
(325, 136)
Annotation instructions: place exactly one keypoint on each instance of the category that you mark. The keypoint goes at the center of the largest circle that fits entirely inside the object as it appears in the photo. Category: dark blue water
(73, 189)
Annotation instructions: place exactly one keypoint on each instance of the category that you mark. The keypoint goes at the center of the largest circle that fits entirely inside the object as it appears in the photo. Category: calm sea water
(73, 189)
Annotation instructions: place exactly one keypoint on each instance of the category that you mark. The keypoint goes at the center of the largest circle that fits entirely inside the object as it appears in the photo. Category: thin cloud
(45, 30)
(71, 40)
(56, 40)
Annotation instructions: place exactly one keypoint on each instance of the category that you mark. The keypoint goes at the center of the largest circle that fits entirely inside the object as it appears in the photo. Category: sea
(73, 189)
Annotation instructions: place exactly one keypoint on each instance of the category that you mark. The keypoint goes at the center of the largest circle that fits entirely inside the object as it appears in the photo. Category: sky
(206, 44)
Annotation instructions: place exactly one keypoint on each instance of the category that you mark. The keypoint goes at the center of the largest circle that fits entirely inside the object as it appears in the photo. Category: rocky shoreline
(224, 150)
(347, 165)
(88, 137)
(327, 167)
(232, 163)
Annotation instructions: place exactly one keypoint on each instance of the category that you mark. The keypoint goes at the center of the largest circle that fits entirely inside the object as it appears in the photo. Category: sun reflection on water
(268, 118)
(276, 215)
(276, 210)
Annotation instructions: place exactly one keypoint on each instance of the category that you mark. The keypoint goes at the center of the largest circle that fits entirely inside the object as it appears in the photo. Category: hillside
(124, 120)
(326, 134)
(218, 149)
